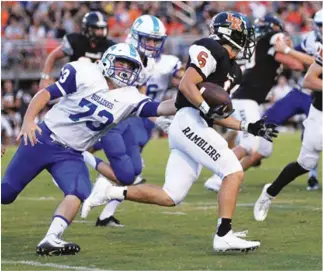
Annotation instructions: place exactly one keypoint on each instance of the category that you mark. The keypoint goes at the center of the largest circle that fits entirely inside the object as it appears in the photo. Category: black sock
(224, 227)
(289, 174)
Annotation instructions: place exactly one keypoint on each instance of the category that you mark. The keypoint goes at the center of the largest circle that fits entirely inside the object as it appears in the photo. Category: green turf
(179, 238)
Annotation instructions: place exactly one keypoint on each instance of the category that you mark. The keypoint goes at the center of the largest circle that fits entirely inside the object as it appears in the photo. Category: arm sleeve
(66, 83)
(149, 109)
(202, 60)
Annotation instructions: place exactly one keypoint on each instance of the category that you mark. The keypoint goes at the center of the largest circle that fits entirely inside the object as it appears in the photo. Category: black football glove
(219, 112)
(266, 130)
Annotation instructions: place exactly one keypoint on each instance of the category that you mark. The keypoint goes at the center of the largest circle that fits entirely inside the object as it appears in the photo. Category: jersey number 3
(92, 107)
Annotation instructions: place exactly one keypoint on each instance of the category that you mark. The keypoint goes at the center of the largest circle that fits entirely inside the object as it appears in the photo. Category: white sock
(58, 226)
(109, 209)
(313, 173)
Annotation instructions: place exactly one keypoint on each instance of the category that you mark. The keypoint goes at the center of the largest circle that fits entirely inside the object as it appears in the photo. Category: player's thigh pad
(312, 140)
(181, 172)
(265, 147)
(247, 110)
(72, 177)
(190, 134)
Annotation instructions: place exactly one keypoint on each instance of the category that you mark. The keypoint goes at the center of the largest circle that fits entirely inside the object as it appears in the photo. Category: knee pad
(249, 142)
(8, 194)
(265, 148)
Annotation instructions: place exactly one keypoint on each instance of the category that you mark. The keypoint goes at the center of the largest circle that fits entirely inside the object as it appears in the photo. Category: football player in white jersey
(311, 149)
(95, 97)
(123, 144)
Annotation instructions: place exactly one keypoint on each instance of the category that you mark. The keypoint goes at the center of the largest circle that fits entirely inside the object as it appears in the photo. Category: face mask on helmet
(148, 35)
(94, 26)
(123, 71)
(236, 30)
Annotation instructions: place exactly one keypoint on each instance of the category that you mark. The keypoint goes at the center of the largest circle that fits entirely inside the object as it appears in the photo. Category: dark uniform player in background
(193, 143)
(91, 43)
(311, 146)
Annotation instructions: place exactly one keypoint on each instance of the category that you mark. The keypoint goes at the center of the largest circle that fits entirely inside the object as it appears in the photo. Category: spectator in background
(37, 31)
(14, 30)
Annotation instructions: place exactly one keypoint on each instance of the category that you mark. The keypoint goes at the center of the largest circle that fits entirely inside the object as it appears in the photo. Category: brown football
(214, 95)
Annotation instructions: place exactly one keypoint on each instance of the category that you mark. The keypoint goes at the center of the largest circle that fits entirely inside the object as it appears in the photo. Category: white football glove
(163, 123)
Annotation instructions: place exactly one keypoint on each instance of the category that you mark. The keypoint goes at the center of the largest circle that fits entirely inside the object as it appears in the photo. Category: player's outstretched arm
(166, 108)
(28, 129)
(312, 78)
(258, 128)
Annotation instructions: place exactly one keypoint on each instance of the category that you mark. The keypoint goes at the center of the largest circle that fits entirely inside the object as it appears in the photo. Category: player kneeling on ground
(193, 141)
(95, 98)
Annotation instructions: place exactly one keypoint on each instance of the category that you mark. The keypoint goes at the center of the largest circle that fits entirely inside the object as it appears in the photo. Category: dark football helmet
(235, 29)
(268, 24)
(94, 20)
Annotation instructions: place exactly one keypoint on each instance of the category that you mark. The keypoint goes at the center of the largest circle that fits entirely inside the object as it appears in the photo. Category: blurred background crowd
(30, 30)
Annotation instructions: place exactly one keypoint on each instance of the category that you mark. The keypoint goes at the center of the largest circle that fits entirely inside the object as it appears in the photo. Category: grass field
(179, 238)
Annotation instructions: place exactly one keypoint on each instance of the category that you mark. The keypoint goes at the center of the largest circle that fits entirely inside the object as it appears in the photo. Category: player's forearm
(38, 102)
(304, 58)
(191, 92)
(51, 60)
(166, 108)
(229, 122)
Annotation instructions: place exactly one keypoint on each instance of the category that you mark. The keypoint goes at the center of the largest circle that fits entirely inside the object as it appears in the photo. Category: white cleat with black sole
(262, 205)
(231, 243)
(98, 195)
(53, 246)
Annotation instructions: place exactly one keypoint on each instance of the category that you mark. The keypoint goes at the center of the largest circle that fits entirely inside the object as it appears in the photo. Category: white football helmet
(148, 35)
(318, 22)
(121, 76)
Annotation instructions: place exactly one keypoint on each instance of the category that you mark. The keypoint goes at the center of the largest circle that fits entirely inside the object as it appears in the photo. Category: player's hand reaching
(28, 131)
(260, 128)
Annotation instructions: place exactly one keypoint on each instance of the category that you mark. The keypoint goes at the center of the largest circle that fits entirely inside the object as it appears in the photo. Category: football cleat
(54, 246)
(312, 184)
(110, 221)
(98, 195)
(231, 243)
(262, 205)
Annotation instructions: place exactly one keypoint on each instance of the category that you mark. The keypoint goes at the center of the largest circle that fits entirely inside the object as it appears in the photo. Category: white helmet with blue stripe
(318, 21)
(148, 35)
(124, 74)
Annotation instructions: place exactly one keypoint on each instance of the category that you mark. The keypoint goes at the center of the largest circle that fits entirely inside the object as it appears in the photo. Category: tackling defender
(311, 146)
(95, 97)
(211, 59)
(123, 144)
